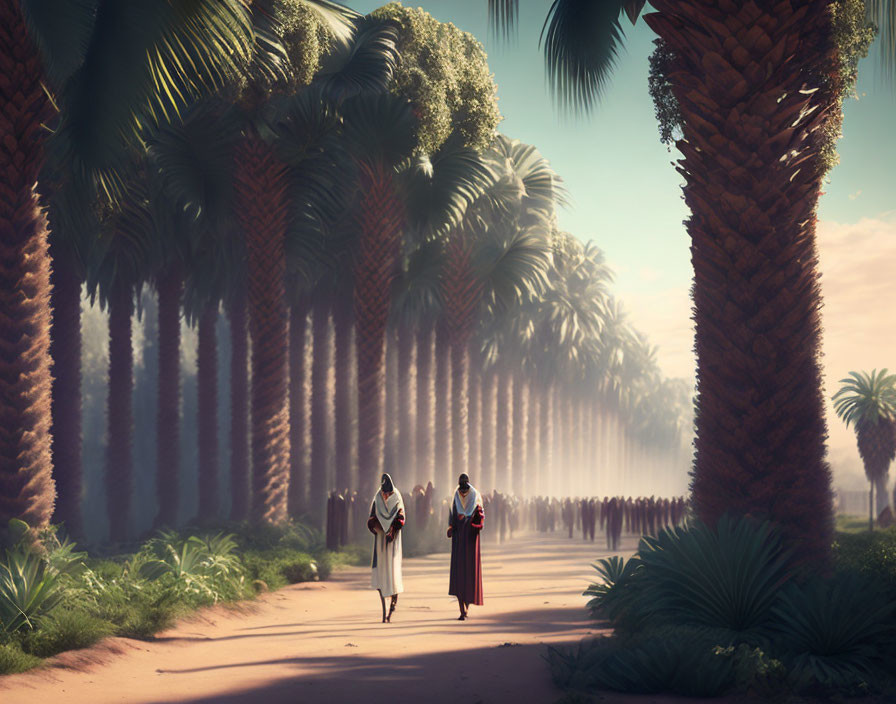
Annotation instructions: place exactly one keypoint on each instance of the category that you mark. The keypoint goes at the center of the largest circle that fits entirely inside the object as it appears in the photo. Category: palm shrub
(612, 595)
(837, 633)
(29, 588)
(204, 568)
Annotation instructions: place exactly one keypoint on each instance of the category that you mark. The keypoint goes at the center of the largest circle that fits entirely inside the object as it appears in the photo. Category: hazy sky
(626, 197)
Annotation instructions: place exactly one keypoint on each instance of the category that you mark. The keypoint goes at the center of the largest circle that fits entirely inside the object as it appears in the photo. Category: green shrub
(685, 661)
(13, 660)
(65, 630)
(872, 554)
(837, 633)
(613, 597)
(29, 589)
(725, 578)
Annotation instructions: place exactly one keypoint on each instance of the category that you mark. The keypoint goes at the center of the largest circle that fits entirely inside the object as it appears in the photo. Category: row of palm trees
(307, 191)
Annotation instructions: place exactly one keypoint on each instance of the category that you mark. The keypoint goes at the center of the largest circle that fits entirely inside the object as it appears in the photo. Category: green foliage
(724, 578)
(613, 594)
(867, 553)
(682, 660)
(29, 589)
(65, 630)
(665, 104)
(279, 566)
(444, 73)
(838, 633)
(13, 659)
(206, 567)
(866, 398)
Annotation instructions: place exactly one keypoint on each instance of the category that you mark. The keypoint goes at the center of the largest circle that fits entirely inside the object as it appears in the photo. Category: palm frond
(582, 40)
(882, 14)
(62, 33)
(366, 65)
(146, 61)
(502, 17)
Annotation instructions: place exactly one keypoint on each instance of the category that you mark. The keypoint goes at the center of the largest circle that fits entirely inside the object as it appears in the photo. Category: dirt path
(324, 643)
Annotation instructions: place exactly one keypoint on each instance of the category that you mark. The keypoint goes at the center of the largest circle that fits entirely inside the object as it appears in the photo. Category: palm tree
(757, 336)
(108, 69)
(869, 402)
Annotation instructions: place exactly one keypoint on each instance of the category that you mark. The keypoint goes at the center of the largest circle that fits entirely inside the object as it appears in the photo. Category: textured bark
(489, 410)
(504, 432)
(261, 207)
(407, 382)
(424, 415)
(26, 483)
(442, 440)
(342, 394)
(752, 179)
(65, 350)
(381, 222)
(299, 419)
(120, 415)
(321, 363)
(170, 290)
(239, 407)
(207, 421)
(877, 447)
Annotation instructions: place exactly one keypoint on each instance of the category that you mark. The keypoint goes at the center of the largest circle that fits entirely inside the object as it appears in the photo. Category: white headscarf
(387, 509)
(466, 508)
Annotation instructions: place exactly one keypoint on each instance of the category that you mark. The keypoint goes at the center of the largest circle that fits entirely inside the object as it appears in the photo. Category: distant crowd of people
(507, 514)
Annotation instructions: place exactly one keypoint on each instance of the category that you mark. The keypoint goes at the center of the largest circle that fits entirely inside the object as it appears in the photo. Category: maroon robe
(466, 565)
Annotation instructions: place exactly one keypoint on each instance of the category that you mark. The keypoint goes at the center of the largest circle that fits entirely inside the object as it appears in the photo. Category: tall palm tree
(108, 66)
(759, 410)
(868, 401)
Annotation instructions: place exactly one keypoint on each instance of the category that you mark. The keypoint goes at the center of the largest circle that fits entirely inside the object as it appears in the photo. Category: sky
(626, 196)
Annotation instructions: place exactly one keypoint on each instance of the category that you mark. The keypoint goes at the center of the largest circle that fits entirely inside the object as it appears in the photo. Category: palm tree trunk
(752, 171)
(26, 483)
(65, 350)
(170, 290)
(520, 414)
(460, 408)
(442, 443)
(342, 396)
(321, 363)
(390, 425)
(871, 507)
(239, 407)
(474, 419)
(546, 463)
(120, 415)
(407, 455)
(424, 434)
(533, 437)
(504, 430)
(207, 420)
(261, 207)
(299, 420)
(489, 446)
(381, 223)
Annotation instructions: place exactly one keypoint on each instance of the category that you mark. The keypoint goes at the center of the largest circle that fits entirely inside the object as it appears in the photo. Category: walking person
(385, 522)
(465, 521)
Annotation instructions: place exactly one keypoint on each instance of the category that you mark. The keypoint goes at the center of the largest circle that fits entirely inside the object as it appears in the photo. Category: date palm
(868, 401)
(109, 67)
(752, 191)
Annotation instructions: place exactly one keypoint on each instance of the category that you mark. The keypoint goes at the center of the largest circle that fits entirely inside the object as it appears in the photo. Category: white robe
(386, 568)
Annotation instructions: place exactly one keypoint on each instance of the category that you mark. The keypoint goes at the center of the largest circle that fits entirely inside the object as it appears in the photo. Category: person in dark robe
(385, 522)
(592, 517)
(569, 516)
(465, 521)
(332, 534)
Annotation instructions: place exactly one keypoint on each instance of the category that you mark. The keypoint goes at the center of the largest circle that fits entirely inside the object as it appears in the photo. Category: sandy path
(323, 642)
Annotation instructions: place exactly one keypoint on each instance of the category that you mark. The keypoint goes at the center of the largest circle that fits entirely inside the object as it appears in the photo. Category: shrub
(29, 589)
(837, 633)
(13, 660)
(726, 578)
(65, 630)
(613, 597)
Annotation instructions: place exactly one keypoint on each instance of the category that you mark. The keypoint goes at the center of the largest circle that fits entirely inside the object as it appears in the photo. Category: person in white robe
(387, 516)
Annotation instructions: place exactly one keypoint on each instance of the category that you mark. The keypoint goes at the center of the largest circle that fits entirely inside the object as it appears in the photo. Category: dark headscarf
(386, 483)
